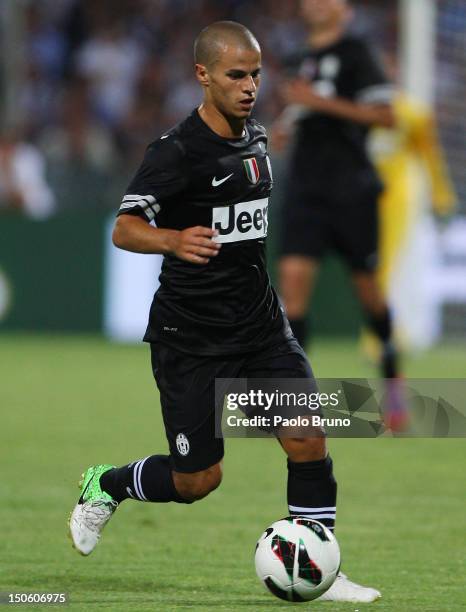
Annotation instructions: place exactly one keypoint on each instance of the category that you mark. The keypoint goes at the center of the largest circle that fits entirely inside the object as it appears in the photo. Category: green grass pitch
(70, 402)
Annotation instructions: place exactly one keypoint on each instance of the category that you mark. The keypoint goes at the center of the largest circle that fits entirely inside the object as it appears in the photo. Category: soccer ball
(297, 558)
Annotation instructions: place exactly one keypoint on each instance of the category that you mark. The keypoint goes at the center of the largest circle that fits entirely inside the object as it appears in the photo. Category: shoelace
(96, 513)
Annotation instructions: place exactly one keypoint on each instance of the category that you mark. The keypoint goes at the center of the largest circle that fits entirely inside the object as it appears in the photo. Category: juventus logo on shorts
(182, 444)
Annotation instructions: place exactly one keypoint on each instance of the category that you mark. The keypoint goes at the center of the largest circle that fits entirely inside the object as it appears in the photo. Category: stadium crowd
(103, 78)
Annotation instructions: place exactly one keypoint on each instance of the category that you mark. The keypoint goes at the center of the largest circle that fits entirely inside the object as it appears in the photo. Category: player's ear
(202, 75)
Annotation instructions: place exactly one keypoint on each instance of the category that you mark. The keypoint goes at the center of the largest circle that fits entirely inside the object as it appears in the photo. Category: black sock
(389, 363)
(148, 479)
(381, 325)
(300, 330)
(312, 490)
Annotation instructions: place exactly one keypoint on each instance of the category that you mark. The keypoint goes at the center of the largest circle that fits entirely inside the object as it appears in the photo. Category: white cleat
(92, 512)
(87, 521)
(345, 590)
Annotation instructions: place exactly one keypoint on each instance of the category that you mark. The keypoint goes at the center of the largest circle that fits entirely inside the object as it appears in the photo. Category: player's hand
(299, 91)
(196, 245)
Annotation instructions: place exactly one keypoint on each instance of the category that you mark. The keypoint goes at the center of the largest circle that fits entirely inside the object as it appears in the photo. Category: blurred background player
(338, 91)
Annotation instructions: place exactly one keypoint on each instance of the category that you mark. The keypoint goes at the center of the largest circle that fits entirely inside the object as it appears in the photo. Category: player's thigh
(304, 228)
(187, 396)
(355, 234)
(286, 360)
(303, 242)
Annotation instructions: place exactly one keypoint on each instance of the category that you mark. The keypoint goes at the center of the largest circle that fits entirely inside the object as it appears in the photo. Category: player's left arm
(369, 100)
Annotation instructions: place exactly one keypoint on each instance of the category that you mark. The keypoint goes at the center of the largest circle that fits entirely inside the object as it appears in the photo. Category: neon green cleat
(92, 512)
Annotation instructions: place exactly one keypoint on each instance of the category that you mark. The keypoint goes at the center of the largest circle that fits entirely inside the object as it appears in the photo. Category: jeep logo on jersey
(242, 221)
(252, 169)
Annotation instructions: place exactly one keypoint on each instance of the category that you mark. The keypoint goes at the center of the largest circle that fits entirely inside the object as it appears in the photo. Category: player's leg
(151, 479)
(357, 239)
(378, 317)
(302, 244)
(297, 274)
(311, 487)
(356, 232)
(154, 479)
(198, 485)
(192, 469)
(312, 492)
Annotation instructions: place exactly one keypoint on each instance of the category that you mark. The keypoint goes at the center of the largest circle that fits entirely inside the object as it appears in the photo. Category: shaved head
(220, 35)
(227, 60)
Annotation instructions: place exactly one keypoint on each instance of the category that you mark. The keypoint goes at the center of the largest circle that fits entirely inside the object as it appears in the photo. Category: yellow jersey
(404, 156)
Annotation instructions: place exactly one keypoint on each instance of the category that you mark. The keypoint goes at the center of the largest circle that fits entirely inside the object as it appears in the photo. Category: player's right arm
(194, 244)
(159, 182)
(302, 93)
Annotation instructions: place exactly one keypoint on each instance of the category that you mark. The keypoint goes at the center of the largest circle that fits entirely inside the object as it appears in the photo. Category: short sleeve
(160, 178)
(371, 85)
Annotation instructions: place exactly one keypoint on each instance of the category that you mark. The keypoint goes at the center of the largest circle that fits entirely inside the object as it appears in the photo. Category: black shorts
(312, 228)
(187, 395)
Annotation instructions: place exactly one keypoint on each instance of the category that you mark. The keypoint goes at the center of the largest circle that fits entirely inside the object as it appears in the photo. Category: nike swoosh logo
(216, 183)
(81, 497)
(165, 136)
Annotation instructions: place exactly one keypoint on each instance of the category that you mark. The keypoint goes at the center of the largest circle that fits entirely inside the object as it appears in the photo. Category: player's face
(234, 81)
(321, 13)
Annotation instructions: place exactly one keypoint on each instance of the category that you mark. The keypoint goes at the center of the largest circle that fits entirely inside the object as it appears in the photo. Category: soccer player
(336, 93)
(207, 182)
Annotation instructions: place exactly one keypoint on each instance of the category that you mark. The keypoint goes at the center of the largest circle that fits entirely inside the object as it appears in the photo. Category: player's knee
(296, 275)
(295, 309)
(369, 293)
(295, 302)
(305, 449)
(193, 487)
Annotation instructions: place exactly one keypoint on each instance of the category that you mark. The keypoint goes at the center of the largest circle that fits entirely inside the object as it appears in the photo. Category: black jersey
(329, 156)
(189, 177)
